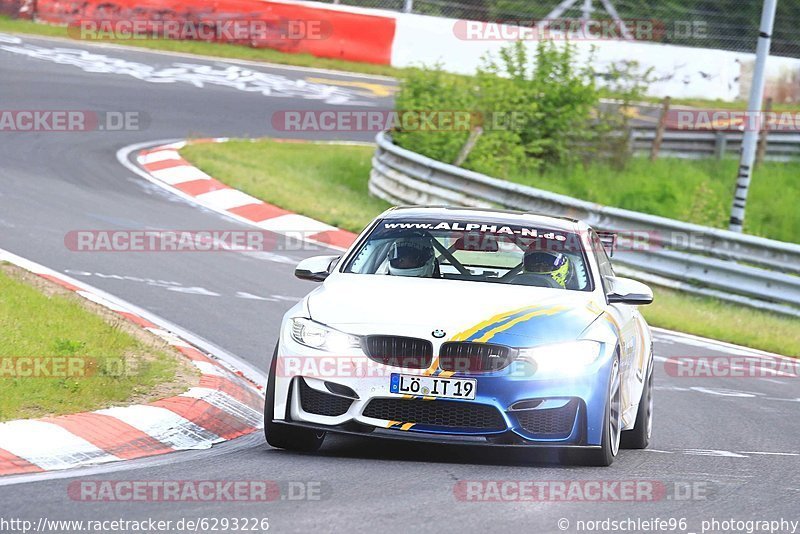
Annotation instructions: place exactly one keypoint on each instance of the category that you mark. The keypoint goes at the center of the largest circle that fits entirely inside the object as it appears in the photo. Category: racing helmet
(555, 264)
(411, 256)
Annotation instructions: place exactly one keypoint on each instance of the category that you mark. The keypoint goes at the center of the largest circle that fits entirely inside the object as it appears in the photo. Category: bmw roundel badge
(438, 333)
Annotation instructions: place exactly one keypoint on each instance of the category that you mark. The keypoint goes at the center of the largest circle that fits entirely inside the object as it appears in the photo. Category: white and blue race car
(467, 326)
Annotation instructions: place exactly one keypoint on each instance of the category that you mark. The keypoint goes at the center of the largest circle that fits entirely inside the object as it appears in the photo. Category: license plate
(431, 386)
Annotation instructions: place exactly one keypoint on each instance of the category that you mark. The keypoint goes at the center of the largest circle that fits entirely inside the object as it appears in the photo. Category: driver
(554, 264)
(412, 256)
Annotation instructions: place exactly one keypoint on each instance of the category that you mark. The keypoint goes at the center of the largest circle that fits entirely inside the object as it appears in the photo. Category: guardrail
(781, 146)
(750, 270)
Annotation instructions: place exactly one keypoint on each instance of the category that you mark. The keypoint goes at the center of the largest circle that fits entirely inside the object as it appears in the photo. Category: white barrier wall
(680, 71)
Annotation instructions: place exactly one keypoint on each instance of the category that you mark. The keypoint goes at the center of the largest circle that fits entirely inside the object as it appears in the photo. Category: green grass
(268, 55)
(35, 325)
(300, 177)
(716, 319)
(329, 183)
(698, 191)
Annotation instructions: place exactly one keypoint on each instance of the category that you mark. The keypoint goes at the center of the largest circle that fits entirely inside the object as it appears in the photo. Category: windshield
(474, 251)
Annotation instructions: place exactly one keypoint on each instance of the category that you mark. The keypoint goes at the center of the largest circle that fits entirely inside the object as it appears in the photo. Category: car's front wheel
(612, 424)
(639, 436)
(285, 436)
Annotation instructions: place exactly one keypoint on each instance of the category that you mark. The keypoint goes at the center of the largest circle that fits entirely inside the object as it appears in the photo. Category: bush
(536, 110)
(434, 89)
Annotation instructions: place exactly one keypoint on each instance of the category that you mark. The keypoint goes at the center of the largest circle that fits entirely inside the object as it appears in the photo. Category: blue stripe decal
(483, 331)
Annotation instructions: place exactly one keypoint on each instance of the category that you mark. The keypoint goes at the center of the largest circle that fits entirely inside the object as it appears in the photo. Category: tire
(285, 436)
(610, 441)
(639, 436)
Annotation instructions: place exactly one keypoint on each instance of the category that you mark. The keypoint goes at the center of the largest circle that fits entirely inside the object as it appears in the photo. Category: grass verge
(720, 320)
(109, 361)
(698, 191)
(300, 177)
(303, 177)
(222, 50)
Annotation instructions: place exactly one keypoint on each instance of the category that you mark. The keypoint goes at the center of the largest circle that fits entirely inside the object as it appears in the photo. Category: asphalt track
(735, 440)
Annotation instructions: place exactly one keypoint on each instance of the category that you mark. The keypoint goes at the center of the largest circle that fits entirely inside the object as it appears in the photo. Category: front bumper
(441, 439)
(557, 412)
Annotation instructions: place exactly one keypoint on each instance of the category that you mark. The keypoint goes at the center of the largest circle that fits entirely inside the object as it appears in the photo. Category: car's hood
(475, 311)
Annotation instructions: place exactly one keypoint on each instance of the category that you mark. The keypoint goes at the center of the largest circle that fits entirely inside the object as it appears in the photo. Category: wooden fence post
(474, 134)
(662, 124)
(762, 141)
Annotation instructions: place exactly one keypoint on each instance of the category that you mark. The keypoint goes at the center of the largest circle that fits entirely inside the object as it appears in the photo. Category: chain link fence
(719, 24)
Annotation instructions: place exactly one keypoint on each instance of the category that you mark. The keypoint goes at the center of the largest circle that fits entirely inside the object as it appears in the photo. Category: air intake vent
(550, 422)
(449, 414)
(321, 403)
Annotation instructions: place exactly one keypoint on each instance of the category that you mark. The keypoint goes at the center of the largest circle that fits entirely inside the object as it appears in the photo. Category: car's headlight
(562, 359)
(318, 336)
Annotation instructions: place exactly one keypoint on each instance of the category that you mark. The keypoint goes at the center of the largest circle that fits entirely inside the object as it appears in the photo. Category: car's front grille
(321, 403)
(549, 422)
(468, 357)
(448, 414)
(398, 351)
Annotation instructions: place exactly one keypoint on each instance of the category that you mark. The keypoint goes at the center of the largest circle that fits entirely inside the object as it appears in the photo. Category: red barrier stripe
(141, 321)
(239, 392)
(14, 465)
(258, 211)
(165, 164)
(195, 355)
(206, 415)
(337, 33)
(198, 187)
(110, 434)
(59, 281)
(338, 238)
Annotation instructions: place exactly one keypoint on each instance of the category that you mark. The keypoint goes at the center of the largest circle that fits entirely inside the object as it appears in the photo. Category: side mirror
(627, 291)
(316, 268)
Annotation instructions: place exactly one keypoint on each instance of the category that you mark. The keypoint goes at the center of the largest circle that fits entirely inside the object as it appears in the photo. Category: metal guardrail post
(720, 144)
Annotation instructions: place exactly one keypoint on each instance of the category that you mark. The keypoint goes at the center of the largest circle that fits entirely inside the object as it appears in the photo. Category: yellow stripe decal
(505, 326)
(406, 426)
(488, 322)
(434, 366)
(614, 322)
